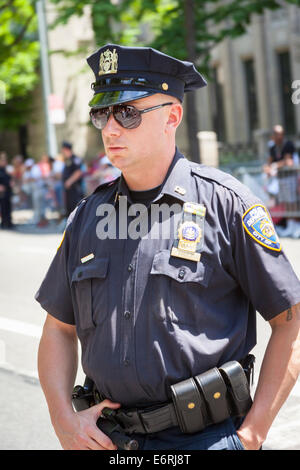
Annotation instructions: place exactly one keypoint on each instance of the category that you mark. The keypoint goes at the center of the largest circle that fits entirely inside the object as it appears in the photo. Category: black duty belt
(208, 398)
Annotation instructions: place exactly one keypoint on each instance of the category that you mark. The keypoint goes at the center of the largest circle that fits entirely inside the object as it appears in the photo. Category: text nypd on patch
(258, 225)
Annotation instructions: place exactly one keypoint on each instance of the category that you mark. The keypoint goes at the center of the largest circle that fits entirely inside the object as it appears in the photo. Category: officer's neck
(150, 177)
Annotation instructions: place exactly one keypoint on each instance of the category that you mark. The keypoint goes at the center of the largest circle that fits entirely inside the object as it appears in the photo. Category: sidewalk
(22, 222)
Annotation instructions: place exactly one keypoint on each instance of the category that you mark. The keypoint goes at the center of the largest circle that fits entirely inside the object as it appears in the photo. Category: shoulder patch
(258, 224)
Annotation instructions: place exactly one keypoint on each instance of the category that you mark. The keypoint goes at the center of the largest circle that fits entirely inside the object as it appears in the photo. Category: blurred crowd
(52, 185)
(283, 183)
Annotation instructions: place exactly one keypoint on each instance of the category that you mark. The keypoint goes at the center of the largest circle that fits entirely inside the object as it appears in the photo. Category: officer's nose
(111, 127)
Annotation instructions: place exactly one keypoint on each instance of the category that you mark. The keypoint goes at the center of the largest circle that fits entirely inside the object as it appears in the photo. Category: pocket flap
(94, 268)
(181, 270)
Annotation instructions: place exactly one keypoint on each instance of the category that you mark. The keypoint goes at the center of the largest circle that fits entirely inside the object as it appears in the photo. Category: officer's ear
(175, 113)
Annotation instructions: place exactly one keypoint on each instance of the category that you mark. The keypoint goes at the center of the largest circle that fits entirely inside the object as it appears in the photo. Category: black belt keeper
(211, 397)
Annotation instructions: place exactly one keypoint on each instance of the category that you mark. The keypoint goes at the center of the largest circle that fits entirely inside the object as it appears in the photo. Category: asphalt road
(24, 420)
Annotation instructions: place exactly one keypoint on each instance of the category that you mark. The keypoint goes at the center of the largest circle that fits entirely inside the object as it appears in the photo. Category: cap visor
(109, 98)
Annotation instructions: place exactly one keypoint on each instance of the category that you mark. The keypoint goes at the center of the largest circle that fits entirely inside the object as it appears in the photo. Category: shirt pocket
(179, 287)
(89, 285)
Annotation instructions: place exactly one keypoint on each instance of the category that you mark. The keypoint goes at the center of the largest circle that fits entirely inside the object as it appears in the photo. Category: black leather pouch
(188, 405)
(211, 397)
(238, 388)
(214, 391)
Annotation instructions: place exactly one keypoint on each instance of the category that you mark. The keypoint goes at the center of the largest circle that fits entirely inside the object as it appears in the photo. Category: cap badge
(108, 62)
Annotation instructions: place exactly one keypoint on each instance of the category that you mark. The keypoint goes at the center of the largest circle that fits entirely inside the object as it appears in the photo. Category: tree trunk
(190, 97)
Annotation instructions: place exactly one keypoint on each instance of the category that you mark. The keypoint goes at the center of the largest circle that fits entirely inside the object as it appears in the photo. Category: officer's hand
(78, 430)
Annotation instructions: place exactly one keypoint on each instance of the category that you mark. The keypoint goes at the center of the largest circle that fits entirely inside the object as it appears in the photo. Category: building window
(253, 121)
(217, 104)
(285, 92)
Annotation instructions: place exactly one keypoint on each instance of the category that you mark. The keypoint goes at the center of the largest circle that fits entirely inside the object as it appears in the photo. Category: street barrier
(279, 189)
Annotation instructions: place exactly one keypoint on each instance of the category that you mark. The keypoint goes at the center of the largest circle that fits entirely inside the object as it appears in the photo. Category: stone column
(294, 23)
(264, 101)
(208, 148)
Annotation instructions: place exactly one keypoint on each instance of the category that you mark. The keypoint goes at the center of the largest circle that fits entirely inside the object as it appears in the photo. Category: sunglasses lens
(127, 116)
(99, 117)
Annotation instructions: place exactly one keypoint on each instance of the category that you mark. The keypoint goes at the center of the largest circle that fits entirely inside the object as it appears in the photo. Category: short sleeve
(273, 153)
(262, 269)
(288, 148)
(54, 294)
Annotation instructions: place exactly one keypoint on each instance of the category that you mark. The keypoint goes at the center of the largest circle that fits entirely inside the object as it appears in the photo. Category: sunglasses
(127, 116)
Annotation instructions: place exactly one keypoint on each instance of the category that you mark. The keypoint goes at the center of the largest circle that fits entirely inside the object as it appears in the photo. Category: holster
(211, 397)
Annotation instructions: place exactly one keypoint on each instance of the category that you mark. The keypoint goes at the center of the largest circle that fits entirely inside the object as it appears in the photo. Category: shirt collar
(175, 184)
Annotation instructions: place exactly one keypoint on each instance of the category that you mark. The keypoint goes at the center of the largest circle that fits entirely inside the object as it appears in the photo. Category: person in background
(28, 182)
(5, 193)
(57, 170)
(280, 167)
(108, 171)
(17, 180)
(282, 150)
(72, 178)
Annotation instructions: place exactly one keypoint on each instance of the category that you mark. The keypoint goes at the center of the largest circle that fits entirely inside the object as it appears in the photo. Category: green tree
(19, 54)
(186, 29)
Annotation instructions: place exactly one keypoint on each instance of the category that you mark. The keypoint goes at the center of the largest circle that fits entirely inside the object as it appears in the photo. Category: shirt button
(127, 315)
(181, 273)
(130, 268)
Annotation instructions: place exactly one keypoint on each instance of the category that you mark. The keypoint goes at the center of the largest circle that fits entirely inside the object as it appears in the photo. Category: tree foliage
(19, 54)
(157, 23)
(126, 21)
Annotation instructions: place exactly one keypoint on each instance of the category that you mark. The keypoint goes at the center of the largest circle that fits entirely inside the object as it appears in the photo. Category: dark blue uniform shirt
(147, 319)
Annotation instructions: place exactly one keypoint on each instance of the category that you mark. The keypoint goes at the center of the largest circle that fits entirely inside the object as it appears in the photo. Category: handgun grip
(114, 431)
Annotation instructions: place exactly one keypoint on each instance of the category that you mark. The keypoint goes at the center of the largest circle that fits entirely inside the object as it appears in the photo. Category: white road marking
(36, 250)
(16, 326)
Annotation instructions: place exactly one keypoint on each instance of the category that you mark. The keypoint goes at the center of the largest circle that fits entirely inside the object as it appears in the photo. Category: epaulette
(82, 202)
(224, 179)
(75, 211)
(105, 185)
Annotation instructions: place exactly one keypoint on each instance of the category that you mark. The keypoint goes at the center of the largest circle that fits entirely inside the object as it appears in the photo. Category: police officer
(5, 194)
(71, 177)
(160, 273)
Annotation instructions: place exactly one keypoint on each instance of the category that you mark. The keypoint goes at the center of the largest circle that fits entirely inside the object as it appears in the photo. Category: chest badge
(189, 241)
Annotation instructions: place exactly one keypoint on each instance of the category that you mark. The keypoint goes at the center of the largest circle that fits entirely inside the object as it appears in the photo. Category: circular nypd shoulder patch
(258, 224)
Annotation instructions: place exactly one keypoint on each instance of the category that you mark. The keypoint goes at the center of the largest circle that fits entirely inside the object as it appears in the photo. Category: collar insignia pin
(87, 258)
(180, 190)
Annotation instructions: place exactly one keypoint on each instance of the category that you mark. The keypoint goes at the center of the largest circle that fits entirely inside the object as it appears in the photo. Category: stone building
(252, 87)
(251, 90)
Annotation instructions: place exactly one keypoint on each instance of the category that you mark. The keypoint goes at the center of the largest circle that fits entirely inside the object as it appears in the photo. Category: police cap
(130, 73)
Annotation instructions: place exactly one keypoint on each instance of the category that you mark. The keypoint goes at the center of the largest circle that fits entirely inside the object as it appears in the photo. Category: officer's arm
(57, 365)
(73, 178)
(278, 375)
